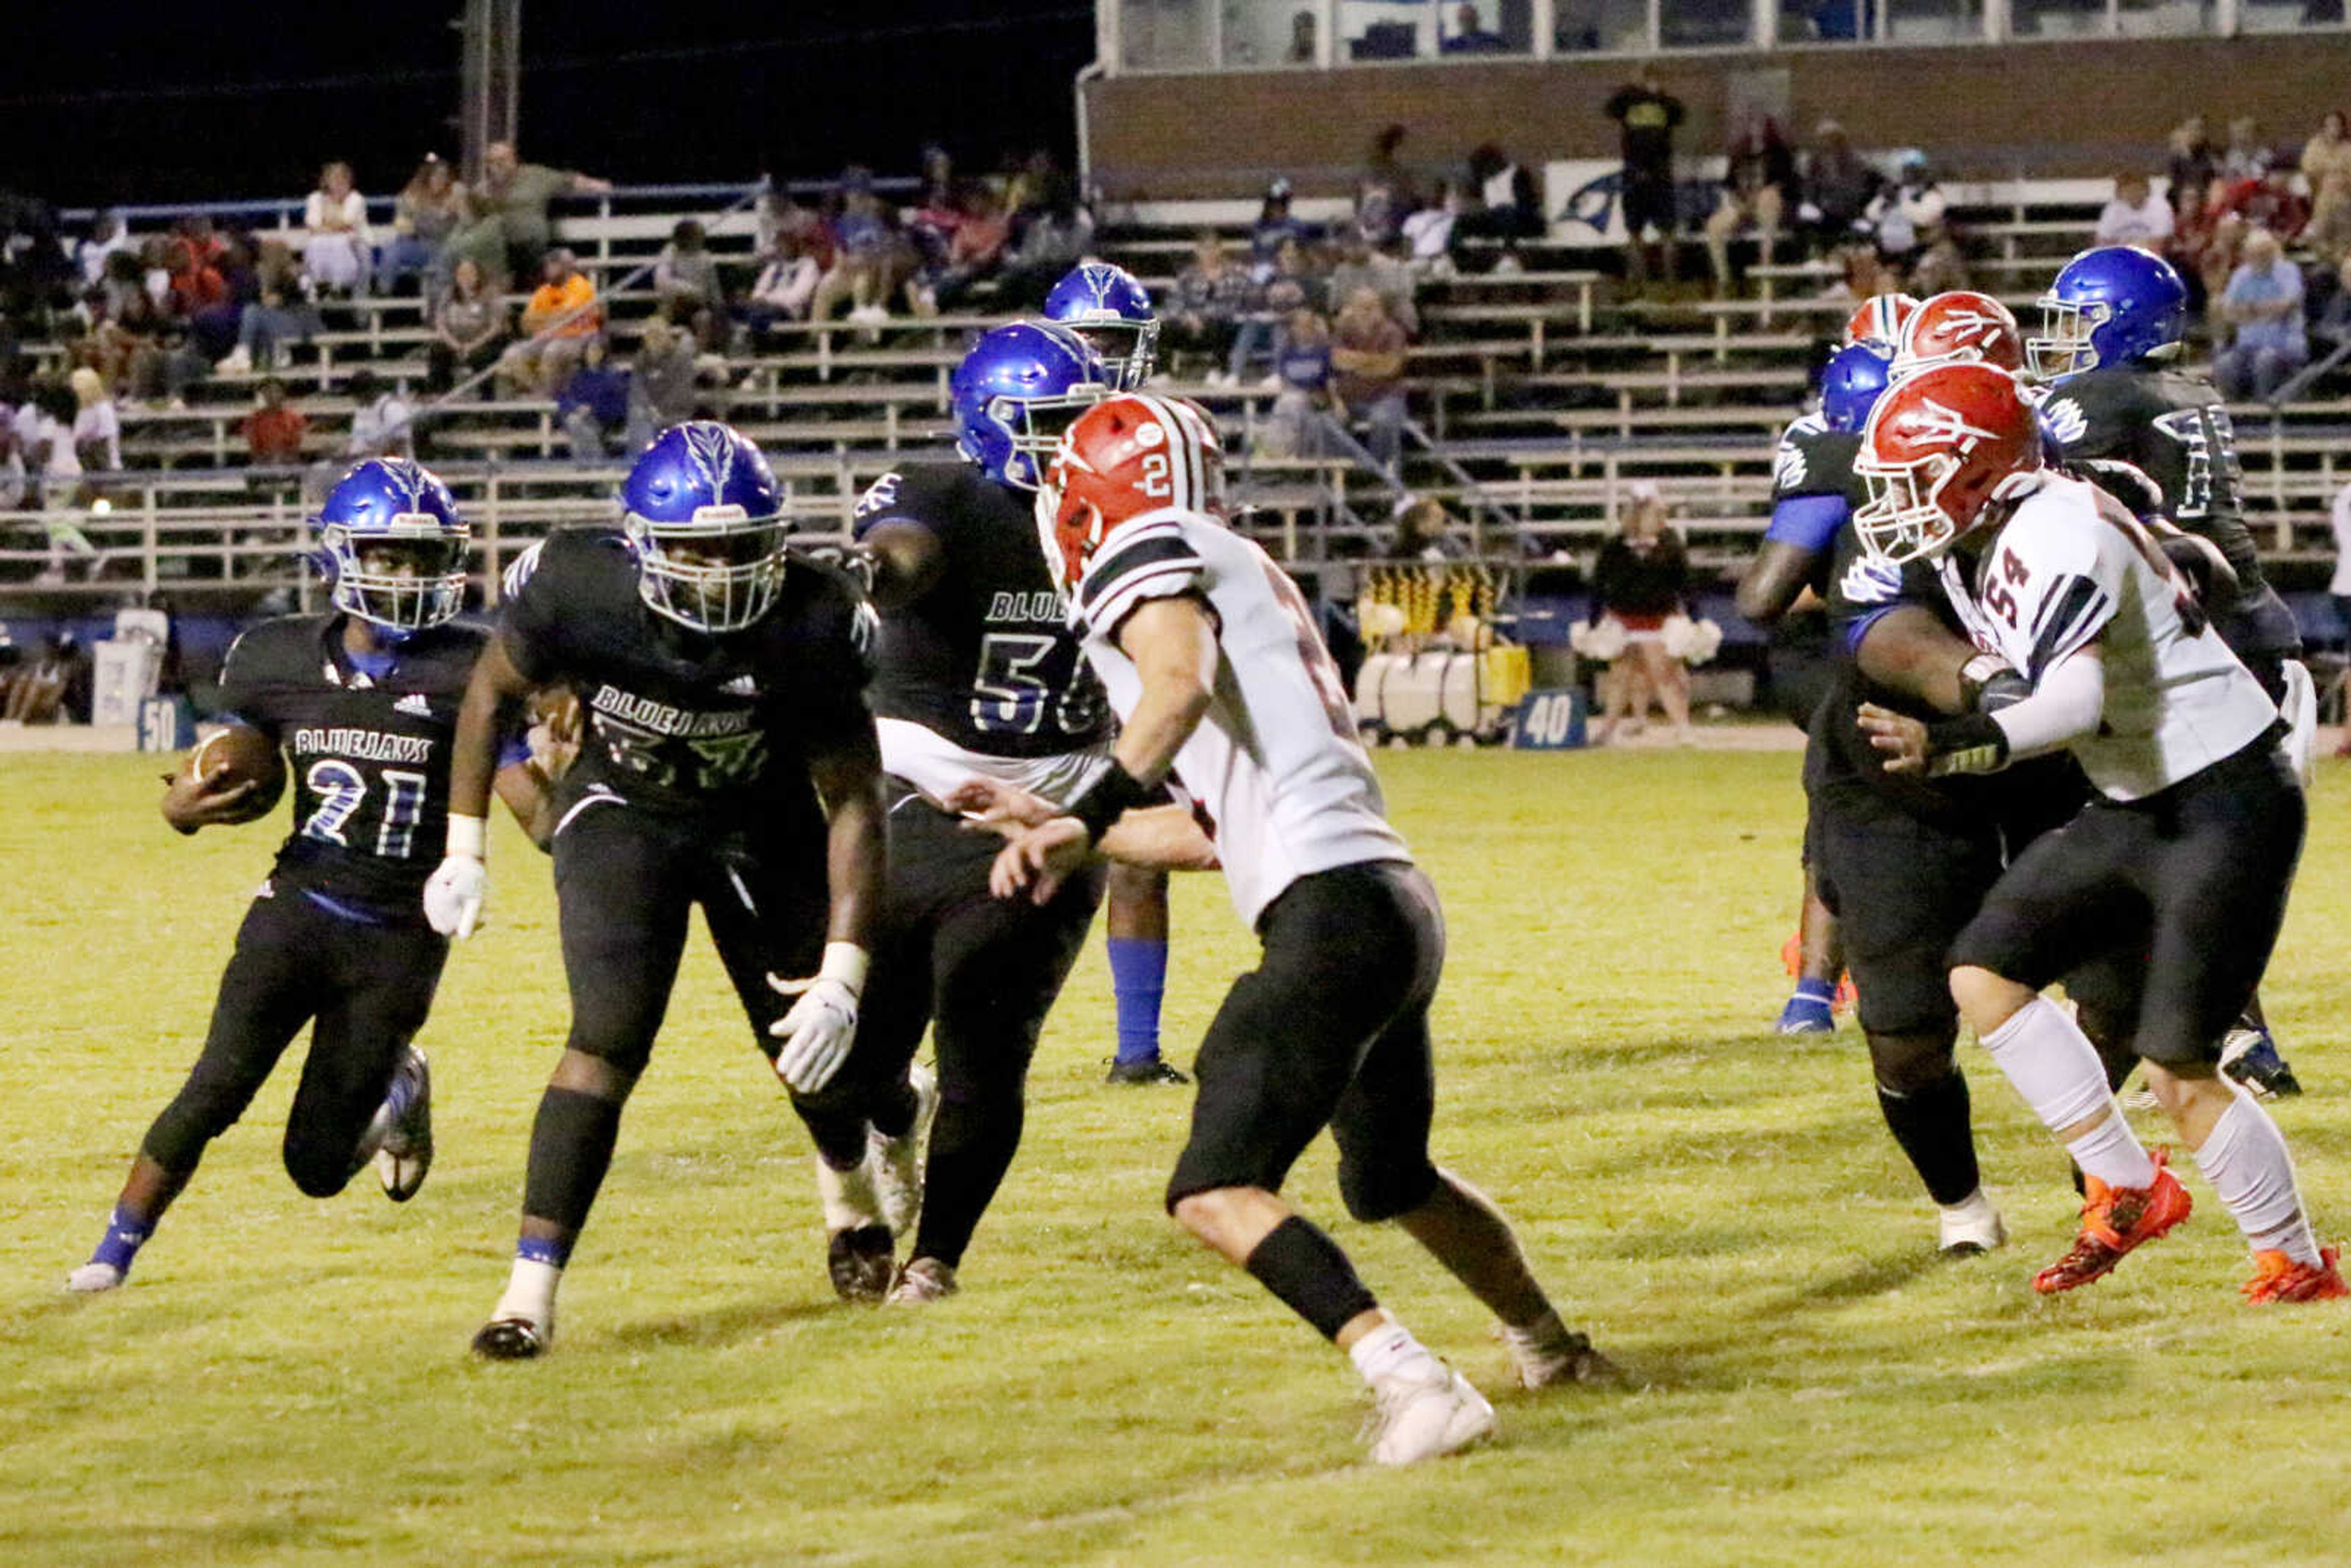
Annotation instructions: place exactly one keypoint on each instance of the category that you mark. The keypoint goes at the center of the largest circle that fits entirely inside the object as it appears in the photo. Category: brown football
(242, 754)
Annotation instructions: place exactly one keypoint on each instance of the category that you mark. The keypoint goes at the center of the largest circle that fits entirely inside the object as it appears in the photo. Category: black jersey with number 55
(683, 721)
(368, 755)
(986, 659)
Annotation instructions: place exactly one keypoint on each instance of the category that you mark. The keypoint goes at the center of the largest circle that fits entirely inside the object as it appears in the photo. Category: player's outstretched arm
(1773, 582)
(1172, 644)
(1159, 838)
(454, 895)
(819, 1030)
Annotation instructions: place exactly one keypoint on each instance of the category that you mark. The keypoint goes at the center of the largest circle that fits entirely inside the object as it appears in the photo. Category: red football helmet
(1878, 319)
(1126, 455)
(1958, 328)
(1938, 448)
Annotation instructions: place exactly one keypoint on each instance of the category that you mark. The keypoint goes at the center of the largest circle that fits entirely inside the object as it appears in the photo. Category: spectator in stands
(595, 401)
(196, 287)
(2264, 303)
(2244, 158)
(1908, 214)
(1837, 187)
(685, 275)
(1938, 266)
(1428, 231)
(1641, 579)
(469, 327)
(1384, 193)
(1051, 234)
(787, 282)
(338, 254)
(1361, 266)
(2332, 325)
(1839, 183)
(561, 316)
(283, 311)
(1274, 224)
(1367, 362)
(1301, 369)
(2193, 164)
(668, 377)
(274, 432)
(974, 252)
(2270, 203)
(1763, 171)
(1200, 321)
(1301, 50)
(1862, 275)
(2200, 249)
(44, 429)
(97, 431)
(2326, 164)
(38, 693)
(1469, 36)
(108, 239)
(2136, 216)
(1425, 531)
(383, 423)
(1509, 209)
(510, 231)
(872, 261)
(1647, 117)
(423, 216)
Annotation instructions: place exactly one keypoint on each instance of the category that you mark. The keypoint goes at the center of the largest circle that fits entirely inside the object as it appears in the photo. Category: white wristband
(466, 835)
(847, 963)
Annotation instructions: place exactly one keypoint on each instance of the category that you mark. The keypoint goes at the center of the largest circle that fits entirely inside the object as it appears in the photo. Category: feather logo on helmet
(1930, 421)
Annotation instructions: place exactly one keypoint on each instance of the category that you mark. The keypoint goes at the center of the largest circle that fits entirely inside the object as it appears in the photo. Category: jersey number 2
(341, 789)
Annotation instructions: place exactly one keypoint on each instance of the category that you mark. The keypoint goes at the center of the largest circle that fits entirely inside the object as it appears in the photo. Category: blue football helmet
(2108, 307)
(1851, 381)
(1104, 305)
(392, 545)
(704, 515)
(1015, 394)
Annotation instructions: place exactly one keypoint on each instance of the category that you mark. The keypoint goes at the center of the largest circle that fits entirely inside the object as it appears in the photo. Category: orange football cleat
(2278, 1278)
(2115, 1219)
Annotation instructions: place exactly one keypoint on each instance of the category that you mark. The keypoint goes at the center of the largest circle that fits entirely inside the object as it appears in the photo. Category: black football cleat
(1156, 1071)
(861, 1263)
(405, 1154)
(510, 1339)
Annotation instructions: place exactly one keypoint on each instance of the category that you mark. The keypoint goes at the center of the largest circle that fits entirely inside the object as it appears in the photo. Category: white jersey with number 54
(1276, 763)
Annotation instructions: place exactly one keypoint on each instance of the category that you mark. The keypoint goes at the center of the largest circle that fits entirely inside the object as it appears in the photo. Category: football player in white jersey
(1217, 675)
(2186, 853)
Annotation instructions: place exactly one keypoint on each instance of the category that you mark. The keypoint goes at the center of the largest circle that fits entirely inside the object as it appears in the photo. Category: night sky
(137, 101)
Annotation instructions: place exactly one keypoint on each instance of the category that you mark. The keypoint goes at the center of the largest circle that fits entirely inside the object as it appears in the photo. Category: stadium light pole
(489, 79)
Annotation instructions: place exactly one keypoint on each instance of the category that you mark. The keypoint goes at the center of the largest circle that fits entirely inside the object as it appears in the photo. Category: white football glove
(453, 894)
(822, 1025)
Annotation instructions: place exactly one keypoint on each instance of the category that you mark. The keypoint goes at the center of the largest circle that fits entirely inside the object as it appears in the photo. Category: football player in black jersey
(363, 702)
(728, 760)
(2111, 327)
(1110, 311)
(1785, 589)
(976, 675)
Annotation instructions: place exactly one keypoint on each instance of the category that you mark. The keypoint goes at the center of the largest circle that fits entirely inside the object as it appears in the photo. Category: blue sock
(1138, 975)
(537, 1250)
(125, 1234)
(1820, 991)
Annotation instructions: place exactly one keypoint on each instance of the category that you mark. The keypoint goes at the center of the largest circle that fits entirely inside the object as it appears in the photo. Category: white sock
(1544, 1334)
(848, 1196)
(1975, 1205)
(2246, 1161)
(1387, 1351)
(2054, 1065)
(530, 1294)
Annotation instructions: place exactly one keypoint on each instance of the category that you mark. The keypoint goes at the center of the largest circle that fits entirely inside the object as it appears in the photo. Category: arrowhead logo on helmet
(1956, 328)
(1941, 446)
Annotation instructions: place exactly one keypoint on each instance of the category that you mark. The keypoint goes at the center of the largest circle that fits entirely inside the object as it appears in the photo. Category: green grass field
(286, 1382)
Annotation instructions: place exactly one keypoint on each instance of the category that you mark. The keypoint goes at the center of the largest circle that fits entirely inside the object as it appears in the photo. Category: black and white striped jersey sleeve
(1151, 560)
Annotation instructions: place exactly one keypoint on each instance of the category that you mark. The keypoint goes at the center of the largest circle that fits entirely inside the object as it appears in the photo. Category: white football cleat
(92, 1277)
(1970, 1226)
(897, 1163)
(1425, 1412)
(921, 1282)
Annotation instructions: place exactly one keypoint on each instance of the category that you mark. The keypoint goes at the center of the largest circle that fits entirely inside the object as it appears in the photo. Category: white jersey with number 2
(1276, 763)
(2072, 565)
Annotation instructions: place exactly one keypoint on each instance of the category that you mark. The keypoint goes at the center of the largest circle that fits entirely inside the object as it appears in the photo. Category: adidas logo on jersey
(741, 686)
(413, 705)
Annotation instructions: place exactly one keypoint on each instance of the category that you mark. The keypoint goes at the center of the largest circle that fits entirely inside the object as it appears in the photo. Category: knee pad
(1907, 1063)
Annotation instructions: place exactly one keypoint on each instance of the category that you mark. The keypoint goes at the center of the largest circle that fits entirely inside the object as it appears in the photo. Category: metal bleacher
(1541, 394)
